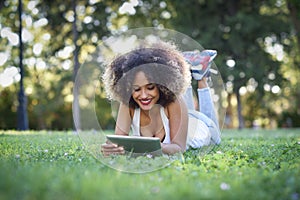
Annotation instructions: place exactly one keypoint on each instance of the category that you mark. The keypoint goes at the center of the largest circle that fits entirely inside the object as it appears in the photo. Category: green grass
(249, 164)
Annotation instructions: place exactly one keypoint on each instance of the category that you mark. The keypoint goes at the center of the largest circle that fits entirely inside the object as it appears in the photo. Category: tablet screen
(137, 144)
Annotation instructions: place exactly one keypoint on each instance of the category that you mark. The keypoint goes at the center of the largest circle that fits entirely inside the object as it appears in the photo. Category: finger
(109, 146)
(115, 151)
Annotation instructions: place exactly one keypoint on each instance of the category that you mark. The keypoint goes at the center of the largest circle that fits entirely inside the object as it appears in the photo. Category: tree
(294, 8)
(22, 108)
(257, 58)
(76, 107)
(48, 56)
(245, 33)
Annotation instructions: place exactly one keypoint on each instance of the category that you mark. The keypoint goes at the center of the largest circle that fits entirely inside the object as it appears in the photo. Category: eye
(151, 86)
(136, 89)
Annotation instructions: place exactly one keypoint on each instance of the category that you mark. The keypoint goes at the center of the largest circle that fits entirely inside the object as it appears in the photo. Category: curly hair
(162, 65)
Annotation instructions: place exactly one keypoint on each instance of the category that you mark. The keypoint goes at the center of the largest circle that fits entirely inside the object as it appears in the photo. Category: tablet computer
(137, 144)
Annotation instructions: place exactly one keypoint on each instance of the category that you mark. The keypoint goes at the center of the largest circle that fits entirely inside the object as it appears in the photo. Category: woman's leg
(206, 105)
(205, 102)
(189, 99)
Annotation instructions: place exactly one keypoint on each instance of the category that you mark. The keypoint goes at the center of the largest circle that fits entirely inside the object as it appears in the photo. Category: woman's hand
(109, 148)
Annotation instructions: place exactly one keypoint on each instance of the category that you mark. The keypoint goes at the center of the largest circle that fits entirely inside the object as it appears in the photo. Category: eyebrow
(143, 85)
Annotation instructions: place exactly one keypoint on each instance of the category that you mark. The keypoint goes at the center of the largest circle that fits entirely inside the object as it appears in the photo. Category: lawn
(249, 164)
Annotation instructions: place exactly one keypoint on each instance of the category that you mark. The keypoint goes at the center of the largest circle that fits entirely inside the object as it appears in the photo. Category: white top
(198, 132)
(136, 124)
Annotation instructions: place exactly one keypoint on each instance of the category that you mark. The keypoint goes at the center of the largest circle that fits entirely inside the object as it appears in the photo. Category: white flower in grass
(46, 150)
(149, 156)
(18, 156)
(65, 154)
(224, 186)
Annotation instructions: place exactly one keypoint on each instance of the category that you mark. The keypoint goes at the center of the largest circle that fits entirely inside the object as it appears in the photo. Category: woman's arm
(124, 120)
(178, 122)
(122, 128)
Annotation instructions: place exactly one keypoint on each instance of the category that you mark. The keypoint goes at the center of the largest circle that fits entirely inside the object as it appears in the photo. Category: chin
(146, 107)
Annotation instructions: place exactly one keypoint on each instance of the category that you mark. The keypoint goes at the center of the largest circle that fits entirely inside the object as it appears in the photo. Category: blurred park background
(258, 46)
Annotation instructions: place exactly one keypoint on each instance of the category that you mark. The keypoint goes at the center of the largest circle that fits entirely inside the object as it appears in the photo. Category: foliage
(234, 31)
(249, 164)
(259, 36)
(259, 50)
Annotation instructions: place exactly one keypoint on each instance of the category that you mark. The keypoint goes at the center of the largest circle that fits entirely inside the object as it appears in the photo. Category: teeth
(145, 100)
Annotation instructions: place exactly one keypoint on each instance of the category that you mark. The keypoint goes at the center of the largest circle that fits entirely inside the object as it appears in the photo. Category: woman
(149, 83)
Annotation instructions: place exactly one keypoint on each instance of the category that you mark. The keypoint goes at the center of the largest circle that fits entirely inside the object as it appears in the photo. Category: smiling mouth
(145, 102)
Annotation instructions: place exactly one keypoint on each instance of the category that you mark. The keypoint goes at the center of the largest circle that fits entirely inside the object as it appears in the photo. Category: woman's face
(144, 93)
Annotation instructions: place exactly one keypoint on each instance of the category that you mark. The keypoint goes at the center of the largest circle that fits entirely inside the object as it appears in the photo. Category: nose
(144, 93)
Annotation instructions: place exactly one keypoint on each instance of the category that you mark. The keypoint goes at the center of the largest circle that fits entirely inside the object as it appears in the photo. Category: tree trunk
(229, 113)
(294, 8)
(76, 88)
(239, 110)
(22, 107)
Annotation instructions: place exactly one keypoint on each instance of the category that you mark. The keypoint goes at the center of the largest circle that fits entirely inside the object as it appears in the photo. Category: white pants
(203, 127)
